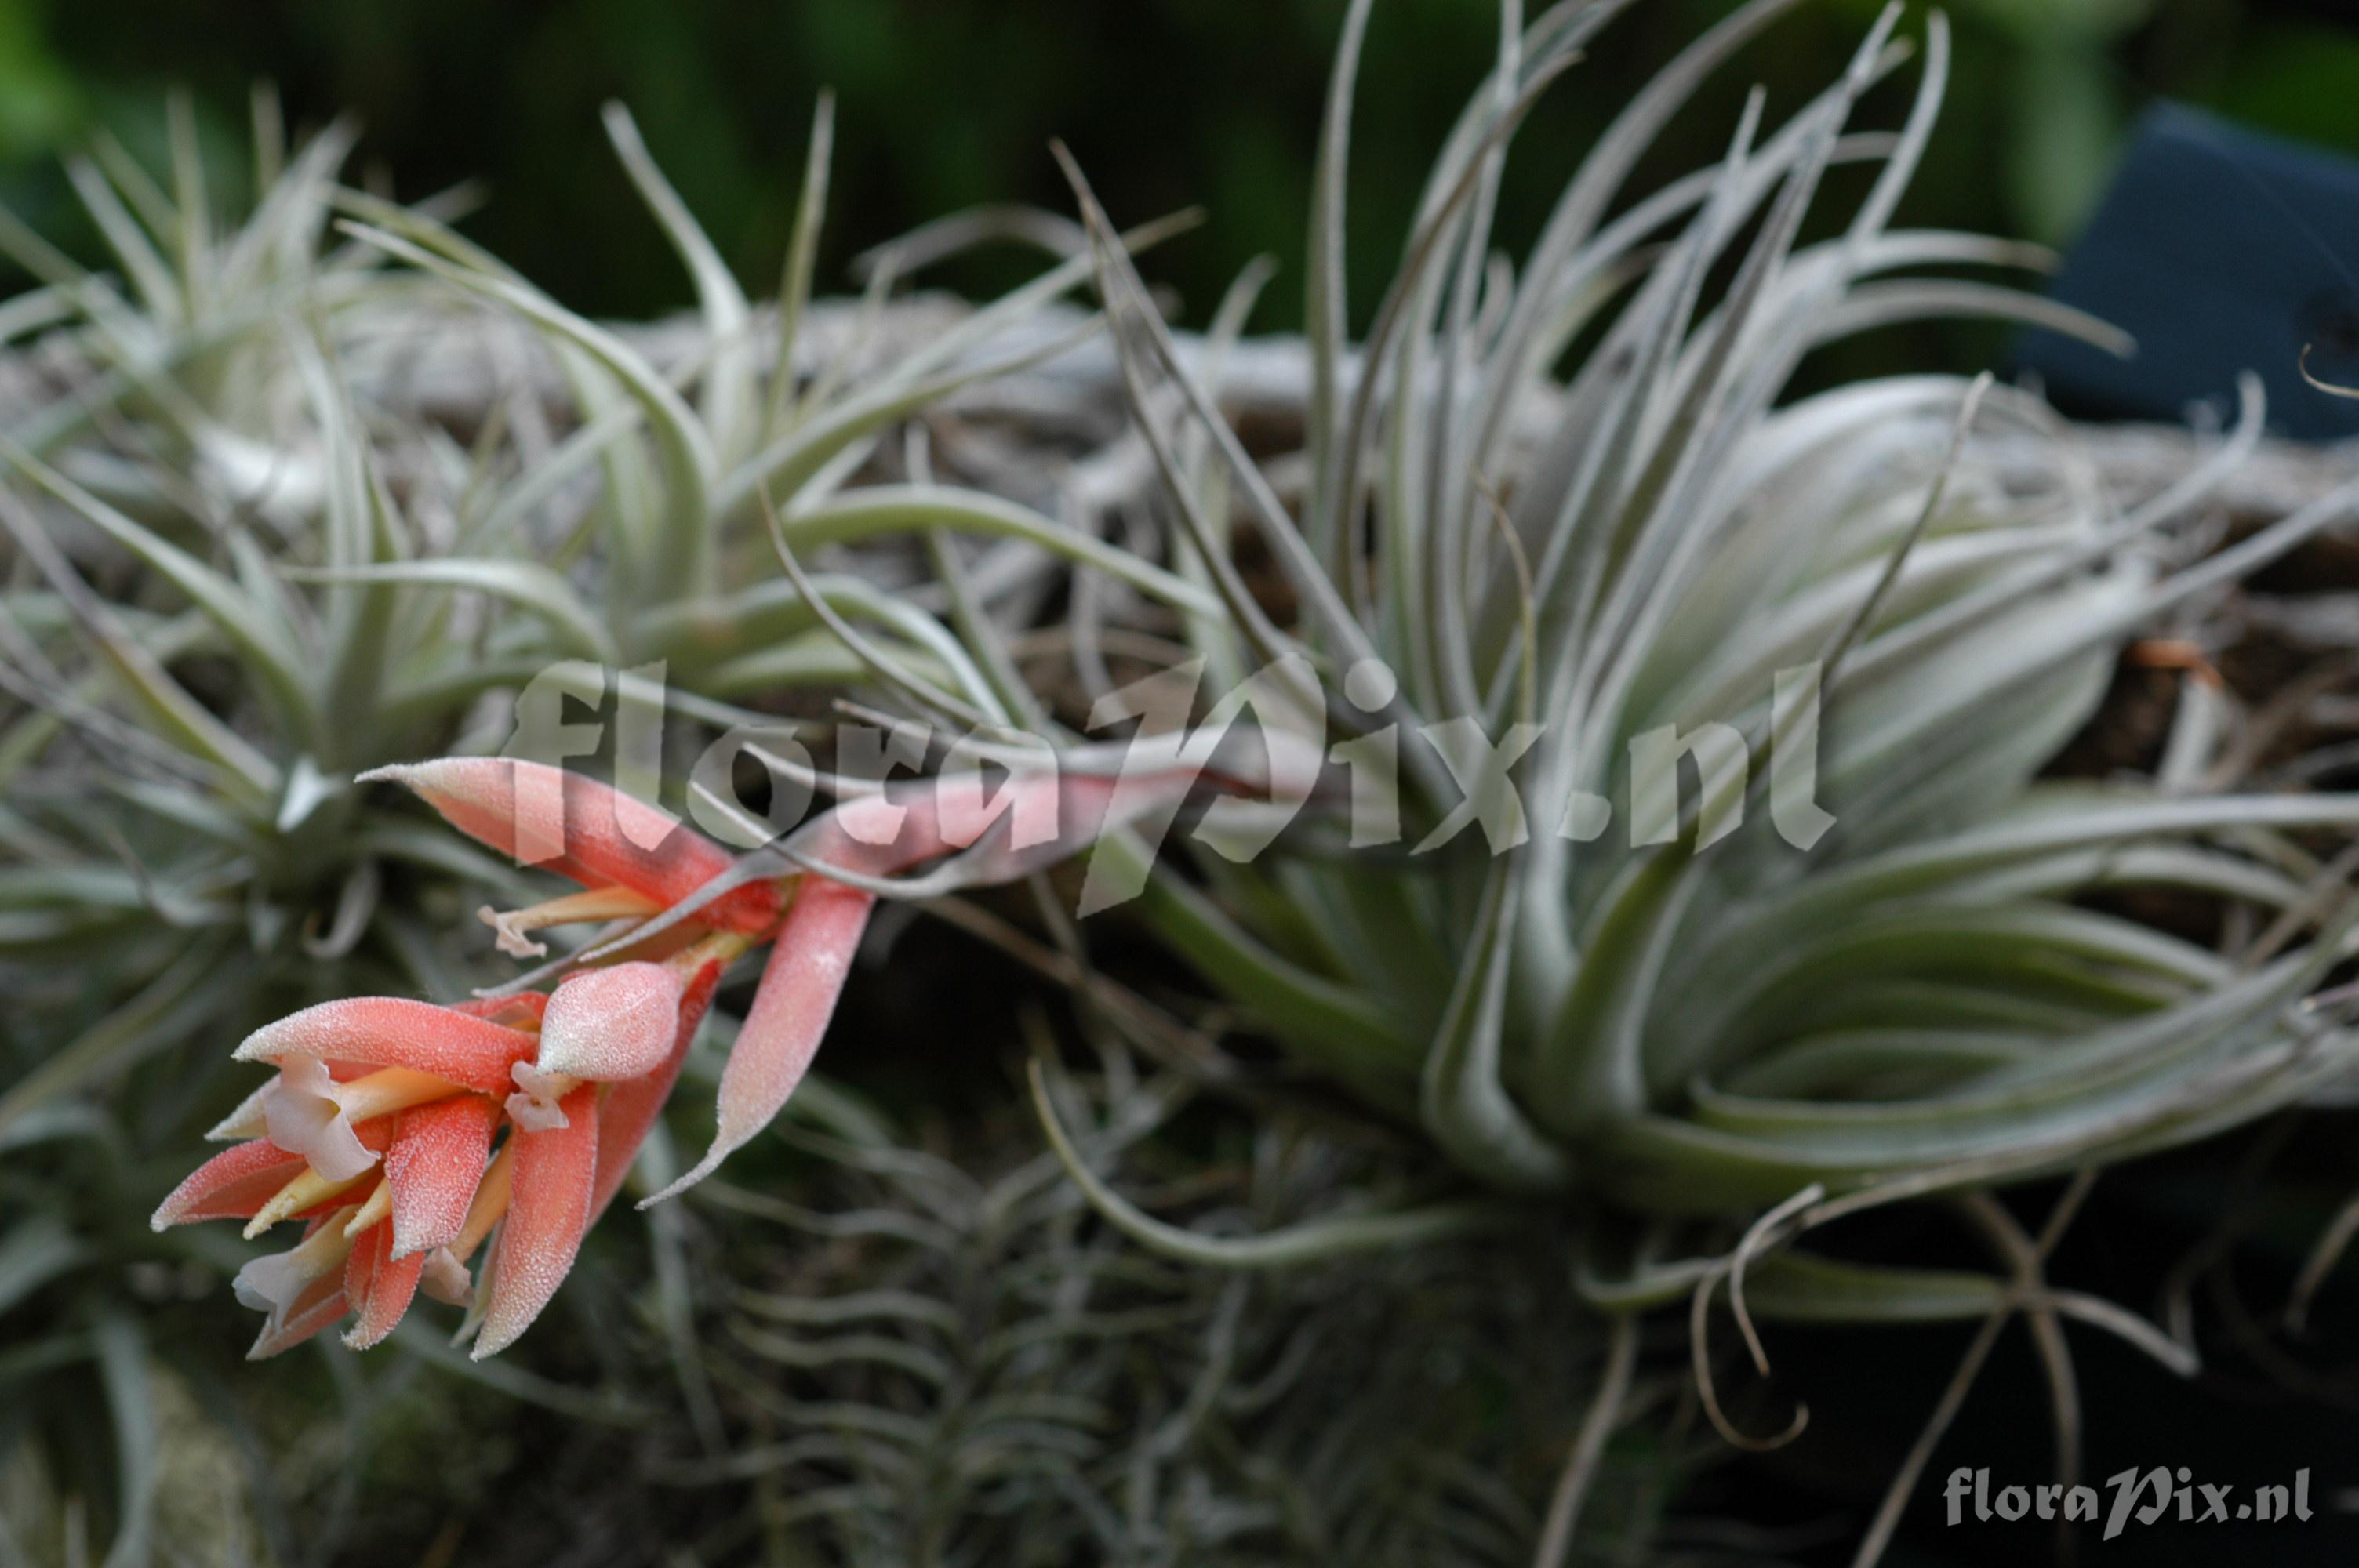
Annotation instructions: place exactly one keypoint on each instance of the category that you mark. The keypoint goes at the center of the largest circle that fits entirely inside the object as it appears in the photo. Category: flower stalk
(411, 1137)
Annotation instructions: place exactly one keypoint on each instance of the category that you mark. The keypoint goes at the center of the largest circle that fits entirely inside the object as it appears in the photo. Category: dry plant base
(955, 1359)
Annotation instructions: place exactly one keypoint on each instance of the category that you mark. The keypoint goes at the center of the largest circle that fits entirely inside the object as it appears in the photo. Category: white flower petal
(304, 1111)
(534, 1106)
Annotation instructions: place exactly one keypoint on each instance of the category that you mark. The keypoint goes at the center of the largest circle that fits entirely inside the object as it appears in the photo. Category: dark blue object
(2220, 251)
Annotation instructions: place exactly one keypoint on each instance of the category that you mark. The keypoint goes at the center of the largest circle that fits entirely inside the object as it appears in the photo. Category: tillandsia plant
(247, 565)
(352, 582)
(1564, 515)
(1552, 514)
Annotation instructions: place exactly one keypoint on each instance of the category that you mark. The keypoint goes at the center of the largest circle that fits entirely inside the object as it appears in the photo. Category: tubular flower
(409, 1137)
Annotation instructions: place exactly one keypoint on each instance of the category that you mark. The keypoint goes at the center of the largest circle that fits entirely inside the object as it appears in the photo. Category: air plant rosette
(1561, 528)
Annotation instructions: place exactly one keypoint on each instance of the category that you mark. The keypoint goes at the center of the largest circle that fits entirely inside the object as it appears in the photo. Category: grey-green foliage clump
(949, 1358)
(926, 1348)
(245, 564)
(1573, 490)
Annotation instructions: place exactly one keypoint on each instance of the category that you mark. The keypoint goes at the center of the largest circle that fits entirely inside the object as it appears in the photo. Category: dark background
(943, 104)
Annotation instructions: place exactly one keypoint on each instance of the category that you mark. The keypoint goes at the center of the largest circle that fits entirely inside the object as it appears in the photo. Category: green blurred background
(944, 104)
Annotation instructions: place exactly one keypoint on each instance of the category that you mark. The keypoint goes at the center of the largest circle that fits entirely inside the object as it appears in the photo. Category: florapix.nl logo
(1346, 756)
(2150, 1497)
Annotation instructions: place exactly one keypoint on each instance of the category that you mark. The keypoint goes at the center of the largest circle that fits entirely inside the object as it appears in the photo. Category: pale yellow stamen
(272, 1284)
(308, 1188)
(594, 903)
(491, 1201)
(391, 1089)
(307, 1112)
(323, 1252)
(379, 1205)
(723, 948)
